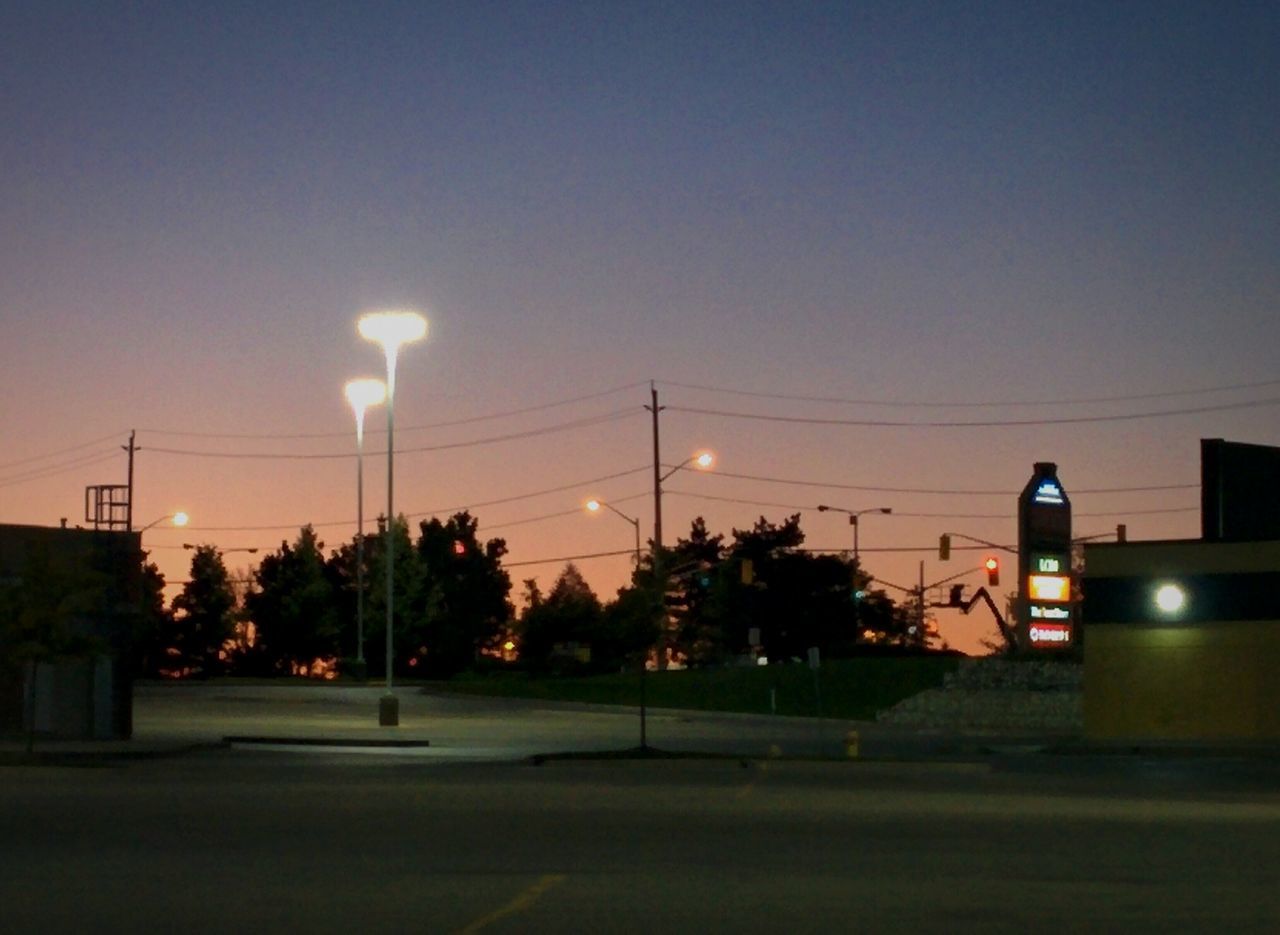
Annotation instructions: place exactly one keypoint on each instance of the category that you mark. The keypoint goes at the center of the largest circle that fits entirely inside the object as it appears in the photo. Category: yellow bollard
(851, 745)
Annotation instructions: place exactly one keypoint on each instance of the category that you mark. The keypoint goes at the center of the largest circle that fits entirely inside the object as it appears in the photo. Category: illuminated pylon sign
(1045, 615)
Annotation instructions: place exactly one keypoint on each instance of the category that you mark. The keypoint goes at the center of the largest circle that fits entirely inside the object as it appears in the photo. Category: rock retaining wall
(999, 695)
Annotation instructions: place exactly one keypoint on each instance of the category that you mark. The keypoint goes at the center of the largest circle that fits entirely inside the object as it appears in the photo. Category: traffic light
(992, 565)
(944, 547)
(459, 547)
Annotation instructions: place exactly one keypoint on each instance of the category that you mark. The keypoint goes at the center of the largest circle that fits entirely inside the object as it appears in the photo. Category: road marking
(519, 904)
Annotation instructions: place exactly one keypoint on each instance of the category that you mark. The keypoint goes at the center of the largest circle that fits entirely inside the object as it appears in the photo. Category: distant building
(1182, 637)
(71, 675)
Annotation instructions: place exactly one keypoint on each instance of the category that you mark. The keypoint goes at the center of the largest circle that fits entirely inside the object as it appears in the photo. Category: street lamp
(853, 520)
(702, 460)
(391, 330)
(179, 519)
(594, 505)
(362, 394)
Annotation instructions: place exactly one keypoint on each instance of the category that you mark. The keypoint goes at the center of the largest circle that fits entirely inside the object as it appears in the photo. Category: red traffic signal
(992, 565)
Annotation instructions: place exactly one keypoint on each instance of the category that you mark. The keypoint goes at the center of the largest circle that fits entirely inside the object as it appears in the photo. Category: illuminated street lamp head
(593, 505)
(179, 519)
(364, 393)
(704, 460)
(392, 329)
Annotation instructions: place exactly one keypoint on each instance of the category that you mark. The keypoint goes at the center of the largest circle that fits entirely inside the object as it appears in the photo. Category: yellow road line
(519, 904)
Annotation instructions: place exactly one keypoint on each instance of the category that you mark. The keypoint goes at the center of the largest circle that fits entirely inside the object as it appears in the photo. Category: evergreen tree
(570, 616)
(204, 616)
(463, 601)
(292, 606)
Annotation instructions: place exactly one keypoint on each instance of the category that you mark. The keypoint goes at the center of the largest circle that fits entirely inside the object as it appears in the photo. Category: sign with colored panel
(1044, 609)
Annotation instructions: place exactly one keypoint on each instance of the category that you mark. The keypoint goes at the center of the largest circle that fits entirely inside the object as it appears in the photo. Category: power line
(408, 428)
(936, 404)
(569, 558)
(61, 451)
(912, 515)
(939, 491)
(436, 512)
(53, 470)
(613, 416)
(976, 423)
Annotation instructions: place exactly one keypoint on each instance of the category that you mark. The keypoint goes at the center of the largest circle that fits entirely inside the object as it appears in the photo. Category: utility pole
(128, 508)
(920, 608)
(657, 471)
(659, 577)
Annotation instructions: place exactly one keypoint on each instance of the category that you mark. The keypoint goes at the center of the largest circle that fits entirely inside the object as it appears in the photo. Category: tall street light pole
(593, 505)
(361, 394)
(853, 520)
(703, 461)
(391, 330)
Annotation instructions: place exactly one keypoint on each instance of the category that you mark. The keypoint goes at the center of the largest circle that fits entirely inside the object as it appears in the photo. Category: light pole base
(388, 711)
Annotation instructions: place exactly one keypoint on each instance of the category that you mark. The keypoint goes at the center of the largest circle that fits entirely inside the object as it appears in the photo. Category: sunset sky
(872, 254)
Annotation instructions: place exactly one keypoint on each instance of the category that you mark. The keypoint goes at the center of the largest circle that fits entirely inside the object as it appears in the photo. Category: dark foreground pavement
(226, 840)
(178, 831)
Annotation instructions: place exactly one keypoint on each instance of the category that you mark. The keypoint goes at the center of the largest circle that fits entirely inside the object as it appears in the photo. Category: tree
(204, 616)
(155, 624)
(696, 565)
(464, 599)
(408, 638)
(292, 606)
(569, 617)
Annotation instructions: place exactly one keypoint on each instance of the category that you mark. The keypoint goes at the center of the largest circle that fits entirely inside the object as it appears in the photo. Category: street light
(391, 330)
(179, 519)
(594, 505)
(853, 520)
(251, 549)
(702, 460)
(362, 394)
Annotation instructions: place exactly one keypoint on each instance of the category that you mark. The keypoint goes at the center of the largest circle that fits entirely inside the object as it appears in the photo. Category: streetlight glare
(180, 518)
(704, 460)
(1170, 598)
(365, 392)
(593, 505)
(391, 329)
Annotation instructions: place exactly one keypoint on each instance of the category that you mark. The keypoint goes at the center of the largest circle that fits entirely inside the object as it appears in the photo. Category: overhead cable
(939, 491)
(61, 451)
(407, 428)
(976, 404)
(612, 416)
(976, 423)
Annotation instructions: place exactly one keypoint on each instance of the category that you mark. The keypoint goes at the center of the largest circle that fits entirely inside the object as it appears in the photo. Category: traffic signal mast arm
(990, 545)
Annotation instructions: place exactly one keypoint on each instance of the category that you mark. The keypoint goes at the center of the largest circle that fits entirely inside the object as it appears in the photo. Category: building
(1182, 637)
(70, 601)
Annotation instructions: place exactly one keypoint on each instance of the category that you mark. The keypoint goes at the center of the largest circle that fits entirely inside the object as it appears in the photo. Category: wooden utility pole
(128, 507)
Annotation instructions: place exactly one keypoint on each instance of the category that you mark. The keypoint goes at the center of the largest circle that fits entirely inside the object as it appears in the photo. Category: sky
(834, 236)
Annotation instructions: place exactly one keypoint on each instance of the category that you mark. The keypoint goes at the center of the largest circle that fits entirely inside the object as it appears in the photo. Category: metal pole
(360, 538)
(657, 472)
(658, 577)
(853, 518)
(389, 709)
(128, 507)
